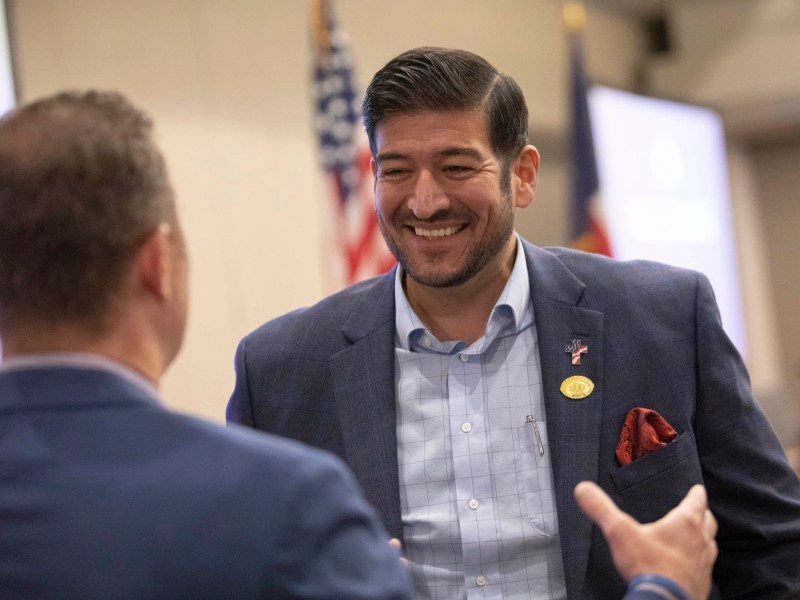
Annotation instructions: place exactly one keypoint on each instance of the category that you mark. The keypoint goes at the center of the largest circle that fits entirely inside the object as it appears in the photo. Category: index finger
(697, 497)
(695, 502)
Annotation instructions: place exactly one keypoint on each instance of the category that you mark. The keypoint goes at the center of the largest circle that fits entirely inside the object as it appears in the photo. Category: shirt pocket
(535, 478)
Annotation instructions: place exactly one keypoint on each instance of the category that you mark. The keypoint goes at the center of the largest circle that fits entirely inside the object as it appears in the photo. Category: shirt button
(466, 427)
(463, 357)
(480, 580)
(473, 504)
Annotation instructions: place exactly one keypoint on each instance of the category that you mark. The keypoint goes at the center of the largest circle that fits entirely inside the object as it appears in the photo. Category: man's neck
(128, 351)
(462, 312)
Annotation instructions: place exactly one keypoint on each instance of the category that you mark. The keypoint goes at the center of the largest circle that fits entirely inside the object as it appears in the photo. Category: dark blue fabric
(105, 494)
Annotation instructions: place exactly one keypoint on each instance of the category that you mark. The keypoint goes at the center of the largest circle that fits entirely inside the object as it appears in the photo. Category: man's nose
(428, 197)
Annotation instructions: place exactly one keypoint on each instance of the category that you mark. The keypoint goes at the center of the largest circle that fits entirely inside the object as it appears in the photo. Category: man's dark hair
(441, 79)
(82, 184)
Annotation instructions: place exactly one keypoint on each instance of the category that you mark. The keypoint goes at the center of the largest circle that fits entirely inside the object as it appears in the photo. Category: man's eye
(394, 172)
(457, 169)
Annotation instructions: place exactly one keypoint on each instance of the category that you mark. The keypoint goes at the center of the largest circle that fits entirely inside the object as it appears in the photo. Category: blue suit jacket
(325, 375)
(105, 494)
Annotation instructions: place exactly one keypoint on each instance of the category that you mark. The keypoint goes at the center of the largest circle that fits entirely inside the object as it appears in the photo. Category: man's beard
(478, 255)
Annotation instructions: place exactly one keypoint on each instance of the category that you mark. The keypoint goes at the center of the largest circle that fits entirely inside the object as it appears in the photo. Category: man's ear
(526, 172)
(154, 262)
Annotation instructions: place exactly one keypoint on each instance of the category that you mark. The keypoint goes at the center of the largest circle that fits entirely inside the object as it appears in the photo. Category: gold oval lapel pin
(577, 387)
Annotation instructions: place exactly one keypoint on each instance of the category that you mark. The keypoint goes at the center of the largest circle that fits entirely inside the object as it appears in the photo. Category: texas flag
(588, 231)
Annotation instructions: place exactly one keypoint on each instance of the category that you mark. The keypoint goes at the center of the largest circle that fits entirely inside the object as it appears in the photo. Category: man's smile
(436, 233)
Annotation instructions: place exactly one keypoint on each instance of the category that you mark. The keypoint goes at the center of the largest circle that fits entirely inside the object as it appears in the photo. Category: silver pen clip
(535, 427)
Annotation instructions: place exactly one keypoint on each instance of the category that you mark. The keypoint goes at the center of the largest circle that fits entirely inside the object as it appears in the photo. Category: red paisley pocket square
(645, 431)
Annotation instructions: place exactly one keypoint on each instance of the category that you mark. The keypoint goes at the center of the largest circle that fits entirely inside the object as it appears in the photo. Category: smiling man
(471, 388)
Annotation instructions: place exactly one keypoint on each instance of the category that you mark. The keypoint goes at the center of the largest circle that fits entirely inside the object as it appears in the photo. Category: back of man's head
(443, 79)
(82, 184)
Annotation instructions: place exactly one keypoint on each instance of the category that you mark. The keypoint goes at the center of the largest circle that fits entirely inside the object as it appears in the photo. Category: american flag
(358, 250)
(589, 231)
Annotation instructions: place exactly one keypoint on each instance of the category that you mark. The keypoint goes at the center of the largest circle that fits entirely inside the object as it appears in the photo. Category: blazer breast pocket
(658, 480)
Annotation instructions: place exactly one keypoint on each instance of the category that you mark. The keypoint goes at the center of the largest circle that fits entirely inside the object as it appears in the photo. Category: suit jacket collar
(363, 382)
(373, 310)
(80, 360)
(24, 388)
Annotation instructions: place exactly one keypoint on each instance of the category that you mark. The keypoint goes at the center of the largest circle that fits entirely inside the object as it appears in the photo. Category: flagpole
(574, 16)
(319, 27)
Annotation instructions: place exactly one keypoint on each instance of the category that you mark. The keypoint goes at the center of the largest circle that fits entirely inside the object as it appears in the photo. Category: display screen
(665, 190)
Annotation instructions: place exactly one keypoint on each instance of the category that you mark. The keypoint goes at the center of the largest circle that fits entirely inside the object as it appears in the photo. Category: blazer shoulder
(630, 278)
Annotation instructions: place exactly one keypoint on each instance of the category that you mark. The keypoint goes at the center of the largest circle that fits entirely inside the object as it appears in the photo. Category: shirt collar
(511, 314)
(79, 360)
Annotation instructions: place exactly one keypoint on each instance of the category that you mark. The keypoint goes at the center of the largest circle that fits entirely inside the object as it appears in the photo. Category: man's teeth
(432, 233)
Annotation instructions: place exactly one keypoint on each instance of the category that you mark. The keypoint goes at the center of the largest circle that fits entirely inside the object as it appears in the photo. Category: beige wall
(227, 82)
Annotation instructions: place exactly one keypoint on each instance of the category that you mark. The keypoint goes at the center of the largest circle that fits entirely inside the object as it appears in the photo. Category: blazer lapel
(363, 377)
(573, 425)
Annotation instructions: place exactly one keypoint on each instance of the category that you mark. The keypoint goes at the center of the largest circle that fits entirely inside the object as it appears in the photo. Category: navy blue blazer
(325, 375)
(106, 494)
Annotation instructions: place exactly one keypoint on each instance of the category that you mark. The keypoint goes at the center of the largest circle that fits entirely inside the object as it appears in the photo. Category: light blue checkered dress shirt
(476, 487)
